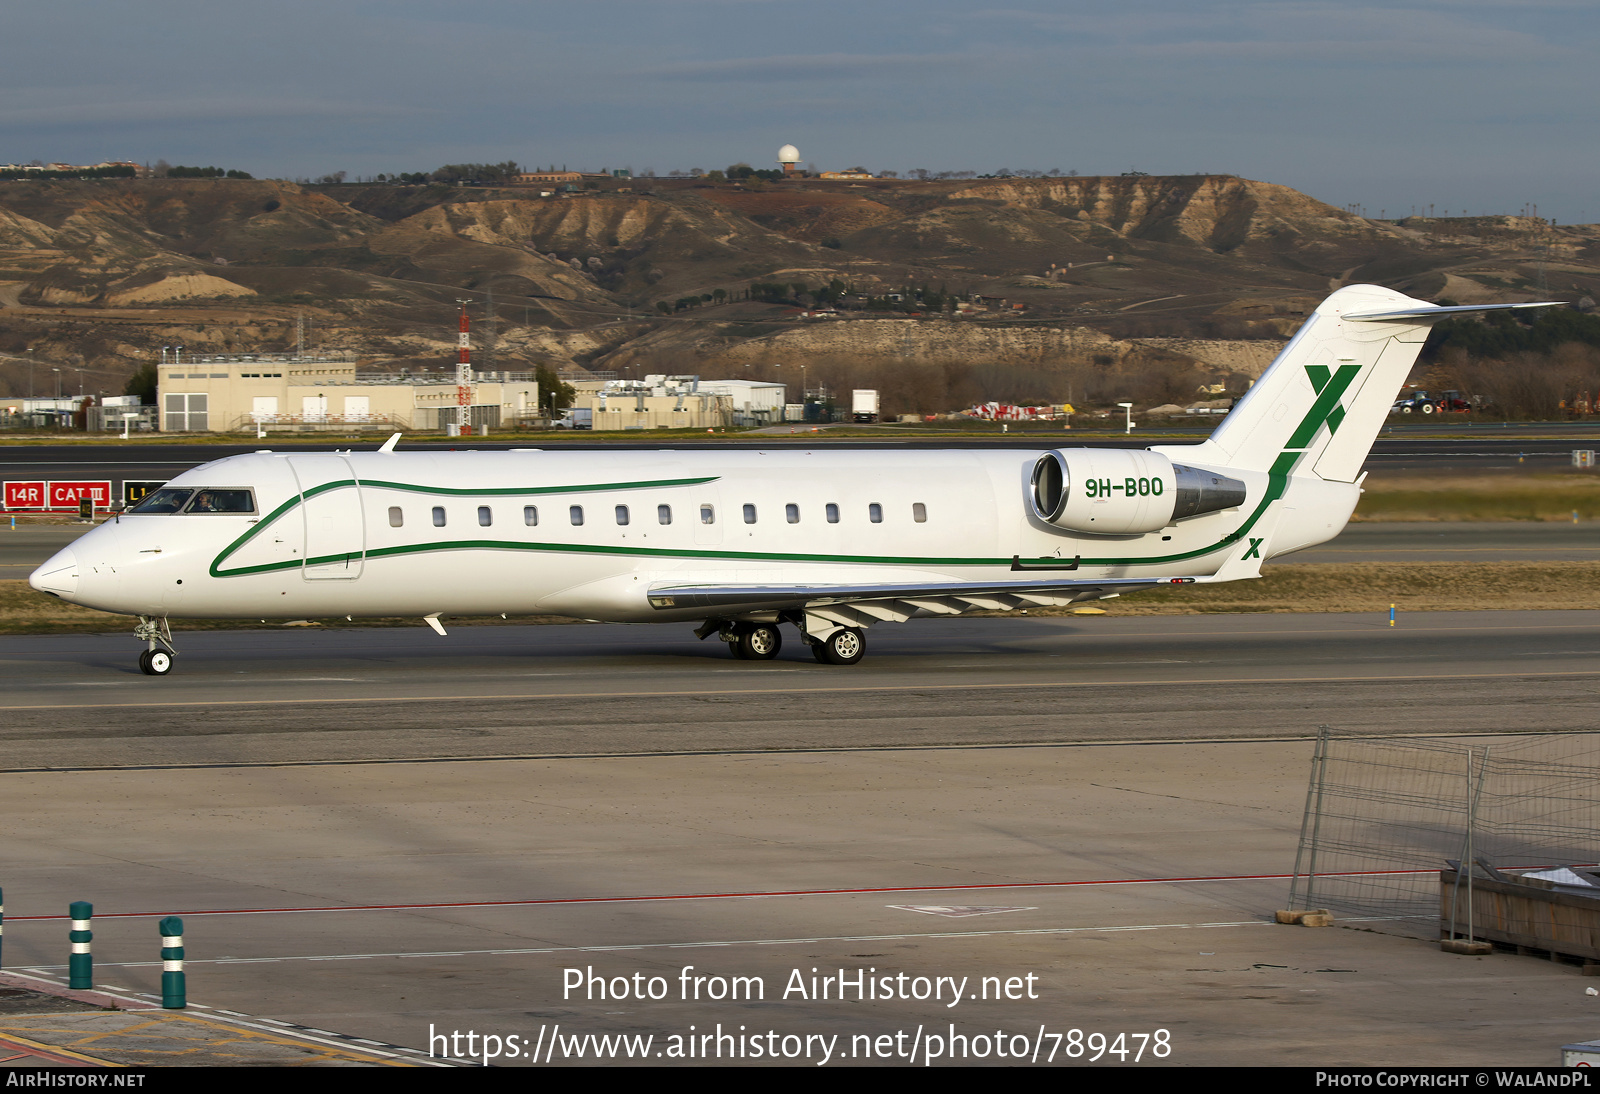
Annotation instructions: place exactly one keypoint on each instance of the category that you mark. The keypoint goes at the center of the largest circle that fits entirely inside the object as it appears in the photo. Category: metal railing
(315, 422)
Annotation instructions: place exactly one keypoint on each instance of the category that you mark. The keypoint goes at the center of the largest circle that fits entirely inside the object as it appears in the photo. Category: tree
(554, 393)
(719, 295)
(143, 383)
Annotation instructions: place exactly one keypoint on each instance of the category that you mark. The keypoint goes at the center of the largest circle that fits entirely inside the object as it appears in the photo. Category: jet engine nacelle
(1125, 491)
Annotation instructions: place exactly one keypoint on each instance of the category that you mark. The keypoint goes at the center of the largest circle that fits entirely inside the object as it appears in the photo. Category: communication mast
(464, 385)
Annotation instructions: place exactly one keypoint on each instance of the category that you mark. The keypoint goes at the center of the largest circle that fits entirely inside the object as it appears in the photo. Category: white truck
(864, 404)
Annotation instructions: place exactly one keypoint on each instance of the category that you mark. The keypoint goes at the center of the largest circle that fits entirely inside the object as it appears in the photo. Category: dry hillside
(1113, 272)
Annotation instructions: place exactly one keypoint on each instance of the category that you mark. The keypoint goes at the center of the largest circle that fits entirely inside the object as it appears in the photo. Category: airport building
(287, 392)
(679, 402)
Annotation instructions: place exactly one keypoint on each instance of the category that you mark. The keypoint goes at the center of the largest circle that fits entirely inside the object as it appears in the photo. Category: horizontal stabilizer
(1320, 405)
(1434, 314)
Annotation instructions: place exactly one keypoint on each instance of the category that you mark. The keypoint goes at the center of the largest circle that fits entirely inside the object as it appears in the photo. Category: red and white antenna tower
(464, 384)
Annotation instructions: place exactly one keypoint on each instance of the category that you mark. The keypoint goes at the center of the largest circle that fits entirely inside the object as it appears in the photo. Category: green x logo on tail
(1329, 385)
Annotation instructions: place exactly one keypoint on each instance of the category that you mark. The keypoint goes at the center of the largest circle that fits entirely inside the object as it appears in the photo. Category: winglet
(388, 445)
(433, 621)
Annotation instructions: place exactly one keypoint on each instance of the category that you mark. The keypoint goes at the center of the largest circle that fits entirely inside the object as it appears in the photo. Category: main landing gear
(761, 641)
(845, 646)
(157, 660)
(755, 641)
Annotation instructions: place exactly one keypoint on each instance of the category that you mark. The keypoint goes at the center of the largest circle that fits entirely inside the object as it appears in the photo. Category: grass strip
(1480, 498)
(1373, 586)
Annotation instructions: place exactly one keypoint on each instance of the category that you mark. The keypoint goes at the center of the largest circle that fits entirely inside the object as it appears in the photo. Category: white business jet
(740, 542)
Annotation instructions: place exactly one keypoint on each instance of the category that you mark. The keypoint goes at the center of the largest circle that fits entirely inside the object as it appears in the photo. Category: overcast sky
(1470, 105)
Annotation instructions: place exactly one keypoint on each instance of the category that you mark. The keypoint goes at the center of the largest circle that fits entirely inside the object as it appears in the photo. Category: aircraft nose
(59, 575)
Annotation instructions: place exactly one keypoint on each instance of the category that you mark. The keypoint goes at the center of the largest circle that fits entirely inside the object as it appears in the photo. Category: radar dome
(788, 154)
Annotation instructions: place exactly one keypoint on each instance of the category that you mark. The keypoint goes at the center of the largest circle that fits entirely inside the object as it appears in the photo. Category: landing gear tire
(843, 647)
(758, 642)
(155, 662)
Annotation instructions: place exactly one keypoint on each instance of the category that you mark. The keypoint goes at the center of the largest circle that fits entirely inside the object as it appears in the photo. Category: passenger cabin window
(749, 513)
(397, 519)
(791, 513)
(919, 512)
(530, 515)
(622, 514)
(875, 513)
(664, 514)
(708, 514)
(485, 516)
(438, 516)
(576, 513)
(833, 513)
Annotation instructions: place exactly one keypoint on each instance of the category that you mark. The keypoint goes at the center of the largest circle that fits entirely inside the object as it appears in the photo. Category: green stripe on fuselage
(1277, 485)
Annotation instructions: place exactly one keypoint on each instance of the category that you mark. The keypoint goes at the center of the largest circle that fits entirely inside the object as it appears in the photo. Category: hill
(1122, 272)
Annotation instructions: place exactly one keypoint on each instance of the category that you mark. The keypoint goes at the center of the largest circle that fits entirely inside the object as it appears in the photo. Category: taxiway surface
(307, 694)
(394, 835)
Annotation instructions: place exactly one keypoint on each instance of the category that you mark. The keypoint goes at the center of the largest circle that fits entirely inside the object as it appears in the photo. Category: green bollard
(174, 994)
(80, 966)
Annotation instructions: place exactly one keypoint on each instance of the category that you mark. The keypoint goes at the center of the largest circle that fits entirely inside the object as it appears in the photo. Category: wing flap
(894, 600)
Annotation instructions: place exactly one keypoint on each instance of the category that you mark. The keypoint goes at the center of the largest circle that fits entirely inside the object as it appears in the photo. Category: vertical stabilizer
(1319, 406)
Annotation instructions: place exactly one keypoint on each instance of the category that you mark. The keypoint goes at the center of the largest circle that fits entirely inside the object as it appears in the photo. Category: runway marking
(715, 944)
(758, 895)
(1209, 681)
(470, 640)
(760, 753)
(722, 943)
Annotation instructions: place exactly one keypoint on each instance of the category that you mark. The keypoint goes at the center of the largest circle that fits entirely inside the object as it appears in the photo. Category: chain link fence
(1385, 815)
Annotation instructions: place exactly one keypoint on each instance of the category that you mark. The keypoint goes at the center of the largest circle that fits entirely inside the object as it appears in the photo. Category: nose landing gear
(157, 660)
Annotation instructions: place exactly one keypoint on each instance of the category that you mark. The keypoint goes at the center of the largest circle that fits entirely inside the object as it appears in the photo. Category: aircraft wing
(893, 600)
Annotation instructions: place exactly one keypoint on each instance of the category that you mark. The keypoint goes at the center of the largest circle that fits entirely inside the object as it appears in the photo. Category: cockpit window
(162, 501)
(205, 500)
(213, 500)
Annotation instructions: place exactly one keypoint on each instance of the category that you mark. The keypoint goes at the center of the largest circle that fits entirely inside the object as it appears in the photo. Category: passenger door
(334, 520)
